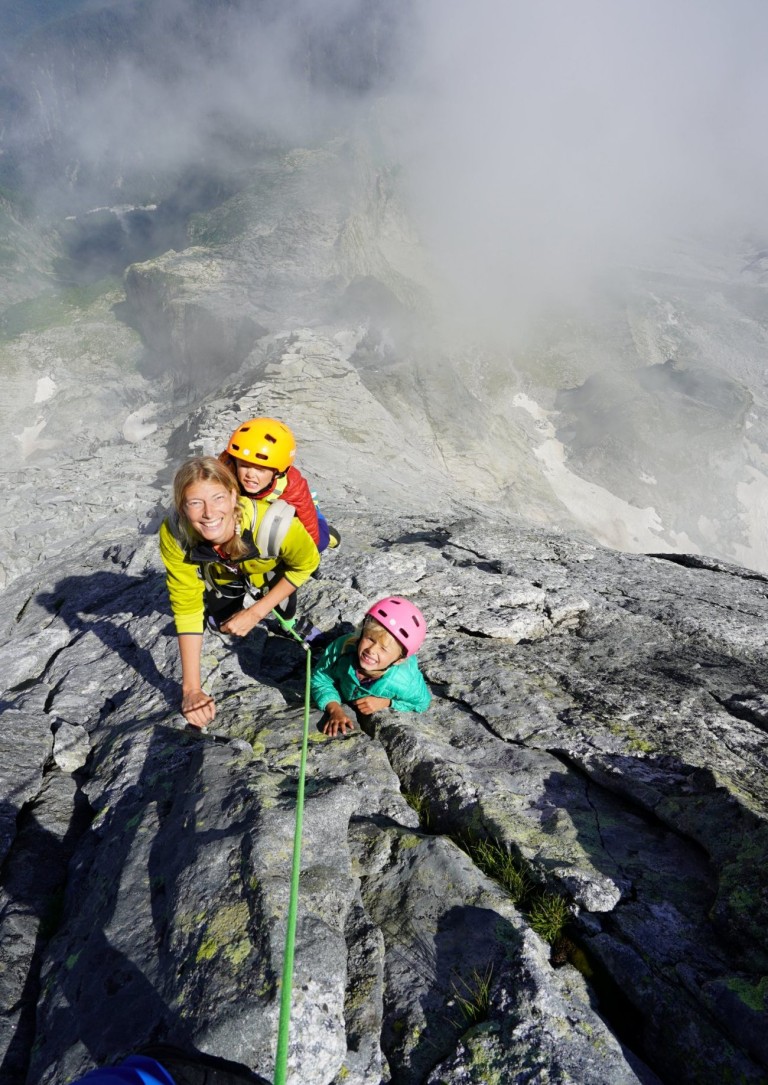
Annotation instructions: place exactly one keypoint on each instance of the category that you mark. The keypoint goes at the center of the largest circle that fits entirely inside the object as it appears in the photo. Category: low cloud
(541, 144)
(116, 91)
(547, 142)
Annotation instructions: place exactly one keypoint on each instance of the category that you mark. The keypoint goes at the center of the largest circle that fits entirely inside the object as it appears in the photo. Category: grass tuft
(548, 914)
(419, 802)
(473, 996)
(495, 861)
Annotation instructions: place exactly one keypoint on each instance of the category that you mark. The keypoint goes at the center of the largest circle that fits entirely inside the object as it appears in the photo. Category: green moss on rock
(752, 992)
(226, 932)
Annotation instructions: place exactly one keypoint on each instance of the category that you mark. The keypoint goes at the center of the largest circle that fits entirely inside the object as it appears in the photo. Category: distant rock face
(69, 392)
(26, 256)
(293, 247)
(624, 430)
(81, 92)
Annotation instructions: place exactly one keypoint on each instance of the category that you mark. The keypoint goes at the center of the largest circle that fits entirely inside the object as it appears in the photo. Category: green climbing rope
(281, 1057)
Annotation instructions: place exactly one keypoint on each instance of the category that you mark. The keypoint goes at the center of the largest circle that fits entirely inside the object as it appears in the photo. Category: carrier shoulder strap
(273, 528)
(278, 486)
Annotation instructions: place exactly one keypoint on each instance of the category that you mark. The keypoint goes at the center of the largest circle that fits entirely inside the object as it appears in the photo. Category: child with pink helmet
(375, 668)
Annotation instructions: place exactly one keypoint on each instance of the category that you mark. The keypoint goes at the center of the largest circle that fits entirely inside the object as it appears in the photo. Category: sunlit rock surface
(598, 716)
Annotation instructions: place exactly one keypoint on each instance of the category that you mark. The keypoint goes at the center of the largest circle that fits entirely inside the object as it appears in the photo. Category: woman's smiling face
(210, 509)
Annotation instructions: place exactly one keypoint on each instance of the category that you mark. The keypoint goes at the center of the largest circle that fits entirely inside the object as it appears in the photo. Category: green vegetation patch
(51, 309)
(487, 1063)
(72, 960)
(495, 861)
(473, 995)
(752, 992)
(547, 913)
(419, 802)
(226, 932)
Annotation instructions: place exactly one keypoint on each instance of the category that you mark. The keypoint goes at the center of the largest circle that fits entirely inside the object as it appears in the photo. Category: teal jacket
(334, 679)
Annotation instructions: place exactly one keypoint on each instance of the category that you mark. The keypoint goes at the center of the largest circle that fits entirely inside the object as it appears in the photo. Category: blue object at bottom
(135, 1070)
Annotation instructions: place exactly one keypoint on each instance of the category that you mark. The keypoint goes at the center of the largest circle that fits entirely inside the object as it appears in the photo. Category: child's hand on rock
(368, 705)
(336, 721)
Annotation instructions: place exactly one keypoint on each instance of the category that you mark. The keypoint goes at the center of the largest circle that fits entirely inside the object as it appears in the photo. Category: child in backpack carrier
(375, 668)
(261, 453)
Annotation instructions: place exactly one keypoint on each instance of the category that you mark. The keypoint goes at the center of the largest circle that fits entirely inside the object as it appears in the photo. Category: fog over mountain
(550, 144)
(540, 144)
(503, 270)
(586, 185)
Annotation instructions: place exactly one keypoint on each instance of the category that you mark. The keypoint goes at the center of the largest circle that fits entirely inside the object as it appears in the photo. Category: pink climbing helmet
(402, 619)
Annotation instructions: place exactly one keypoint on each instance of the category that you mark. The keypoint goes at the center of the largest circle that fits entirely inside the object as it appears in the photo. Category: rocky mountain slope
(557, 873)
(599, 722)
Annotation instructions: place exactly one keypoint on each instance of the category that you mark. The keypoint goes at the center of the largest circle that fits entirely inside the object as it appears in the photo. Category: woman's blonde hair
(207, 469)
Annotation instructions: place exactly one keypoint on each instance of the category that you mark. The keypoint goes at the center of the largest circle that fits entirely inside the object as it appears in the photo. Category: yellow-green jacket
(186, 566)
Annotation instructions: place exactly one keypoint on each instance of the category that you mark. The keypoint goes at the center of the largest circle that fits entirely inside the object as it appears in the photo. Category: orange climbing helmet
(265, 442)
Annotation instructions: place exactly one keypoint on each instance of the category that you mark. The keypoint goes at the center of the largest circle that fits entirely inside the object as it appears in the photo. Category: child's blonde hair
(372, 625)
(207, 469)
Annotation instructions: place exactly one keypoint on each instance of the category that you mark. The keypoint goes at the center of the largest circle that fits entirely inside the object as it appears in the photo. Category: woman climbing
(218, 547)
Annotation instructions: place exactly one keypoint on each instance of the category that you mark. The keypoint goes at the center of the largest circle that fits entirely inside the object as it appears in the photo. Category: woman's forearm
(190, 651)
(197, 707)
(276, 595)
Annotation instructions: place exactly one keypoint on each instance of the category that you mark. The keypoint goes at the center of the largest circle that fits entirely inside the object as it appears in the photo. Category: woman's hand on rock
(240, 624)
(198, 708)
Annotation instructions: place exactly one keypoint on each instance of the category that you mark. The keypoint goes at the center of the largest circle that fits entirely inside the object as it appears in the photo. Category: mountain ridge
(593, 766)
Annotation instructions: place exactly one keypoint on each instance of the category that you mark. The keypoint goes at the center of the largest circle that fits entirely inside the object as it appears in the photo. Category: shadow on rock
(119, 610)
(680, 960)
(127, 616)
(275, 658)
(134, 962)
(31, 903)
(452, 970)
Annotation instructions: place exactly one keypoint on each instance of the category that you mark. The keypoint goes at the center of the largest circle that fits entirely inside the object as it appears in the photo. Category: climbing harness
(281, 1057)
